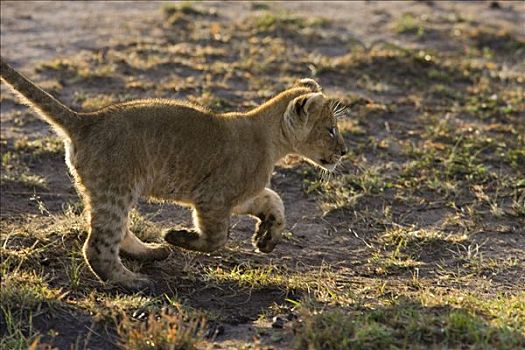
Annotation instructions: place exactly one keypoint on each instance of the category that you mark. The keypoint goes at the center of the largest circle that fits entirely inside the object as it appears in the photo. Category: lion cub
(220, 164)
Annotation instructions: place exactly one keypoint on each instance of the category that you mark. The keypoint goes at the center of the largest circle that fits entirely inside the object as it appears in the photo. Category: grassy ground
(415, 242)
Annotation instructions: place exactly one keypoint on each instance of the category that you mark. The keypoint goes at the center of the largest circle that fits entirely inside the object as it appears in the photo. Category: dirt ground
(426, 213)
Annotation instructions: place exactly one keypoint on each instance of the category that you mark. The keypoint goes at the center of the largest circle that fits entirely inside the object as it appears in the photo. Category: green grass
(94, 103)
(23, 296)
(19, 332)
(321, 284)
(21, 157)
(444, 322)
(51, 145)
(414, 242)
(78, 71)
(184, 7)
(14, 169)
(164, 331)
(270, 22)
(409, 24)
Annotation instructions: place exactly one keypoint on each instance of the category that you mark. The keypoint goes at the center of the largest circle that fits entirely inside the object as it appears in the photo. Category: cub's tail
(55, 113)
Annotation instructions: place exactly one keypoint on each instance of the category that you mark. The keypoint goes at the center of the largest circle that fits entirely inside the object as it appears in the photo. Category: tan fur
(219, 164)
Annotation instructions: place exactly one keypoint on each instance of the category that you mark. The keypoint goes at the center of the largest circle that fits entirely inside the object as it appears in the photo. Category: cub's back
(145, 132)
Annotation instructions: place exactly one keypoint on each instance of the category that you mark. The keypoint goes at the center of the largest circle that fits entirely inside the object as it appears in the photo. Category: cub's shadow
(229, 300)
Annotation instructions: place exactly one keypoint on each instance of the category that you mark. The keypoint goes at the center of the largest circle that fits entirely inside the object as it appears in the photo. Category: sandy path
(31, 31)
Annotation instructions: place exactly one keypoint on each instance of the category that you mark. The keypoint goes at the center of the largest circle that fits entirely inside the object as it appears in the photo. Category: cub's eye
(331, 132)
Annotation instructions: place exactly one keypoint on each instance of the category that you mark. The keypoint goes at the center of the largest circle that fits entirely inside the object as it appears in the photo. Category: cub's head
(311, 124)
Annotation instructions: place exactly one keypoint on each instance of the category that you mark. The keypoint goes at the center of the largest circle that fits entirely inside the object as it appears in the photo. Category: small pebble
(45, 261)
(495, 5)
(140, 315)
(278, 322)
(214, 330)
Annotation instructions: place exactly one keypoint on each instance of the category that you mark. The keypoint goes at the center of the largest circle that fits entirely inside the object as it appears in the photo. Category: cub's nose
(344, 151)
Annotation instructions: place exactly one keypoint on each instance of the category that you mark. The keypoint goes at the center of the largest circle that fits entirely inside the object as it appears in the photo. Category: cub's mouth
(329, 165)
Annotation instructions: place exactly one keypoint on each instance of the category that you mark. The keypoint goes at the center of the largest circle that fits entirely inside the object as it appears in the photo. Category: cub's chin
(330, 167)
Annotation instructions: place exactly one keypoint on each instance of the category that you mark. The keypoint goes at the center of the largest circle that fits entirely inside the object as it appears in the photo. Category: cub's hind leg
(210, 233)
(132, 247)
(108, 221)
(269, 208)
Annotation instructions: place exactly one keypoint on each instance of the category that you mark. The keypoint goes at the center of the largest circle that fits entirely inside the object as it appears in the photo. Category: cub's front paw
(263, 239)
(181, 238)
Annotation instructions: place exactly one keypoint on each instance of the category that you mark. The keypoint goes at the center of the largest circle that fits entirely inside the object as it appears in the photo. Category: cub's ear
(300, 108)
(308, 83)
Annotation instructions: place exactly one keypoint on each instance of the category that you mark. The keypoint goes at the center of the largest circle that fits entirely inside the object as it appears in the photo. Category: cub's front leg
(269, 208)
